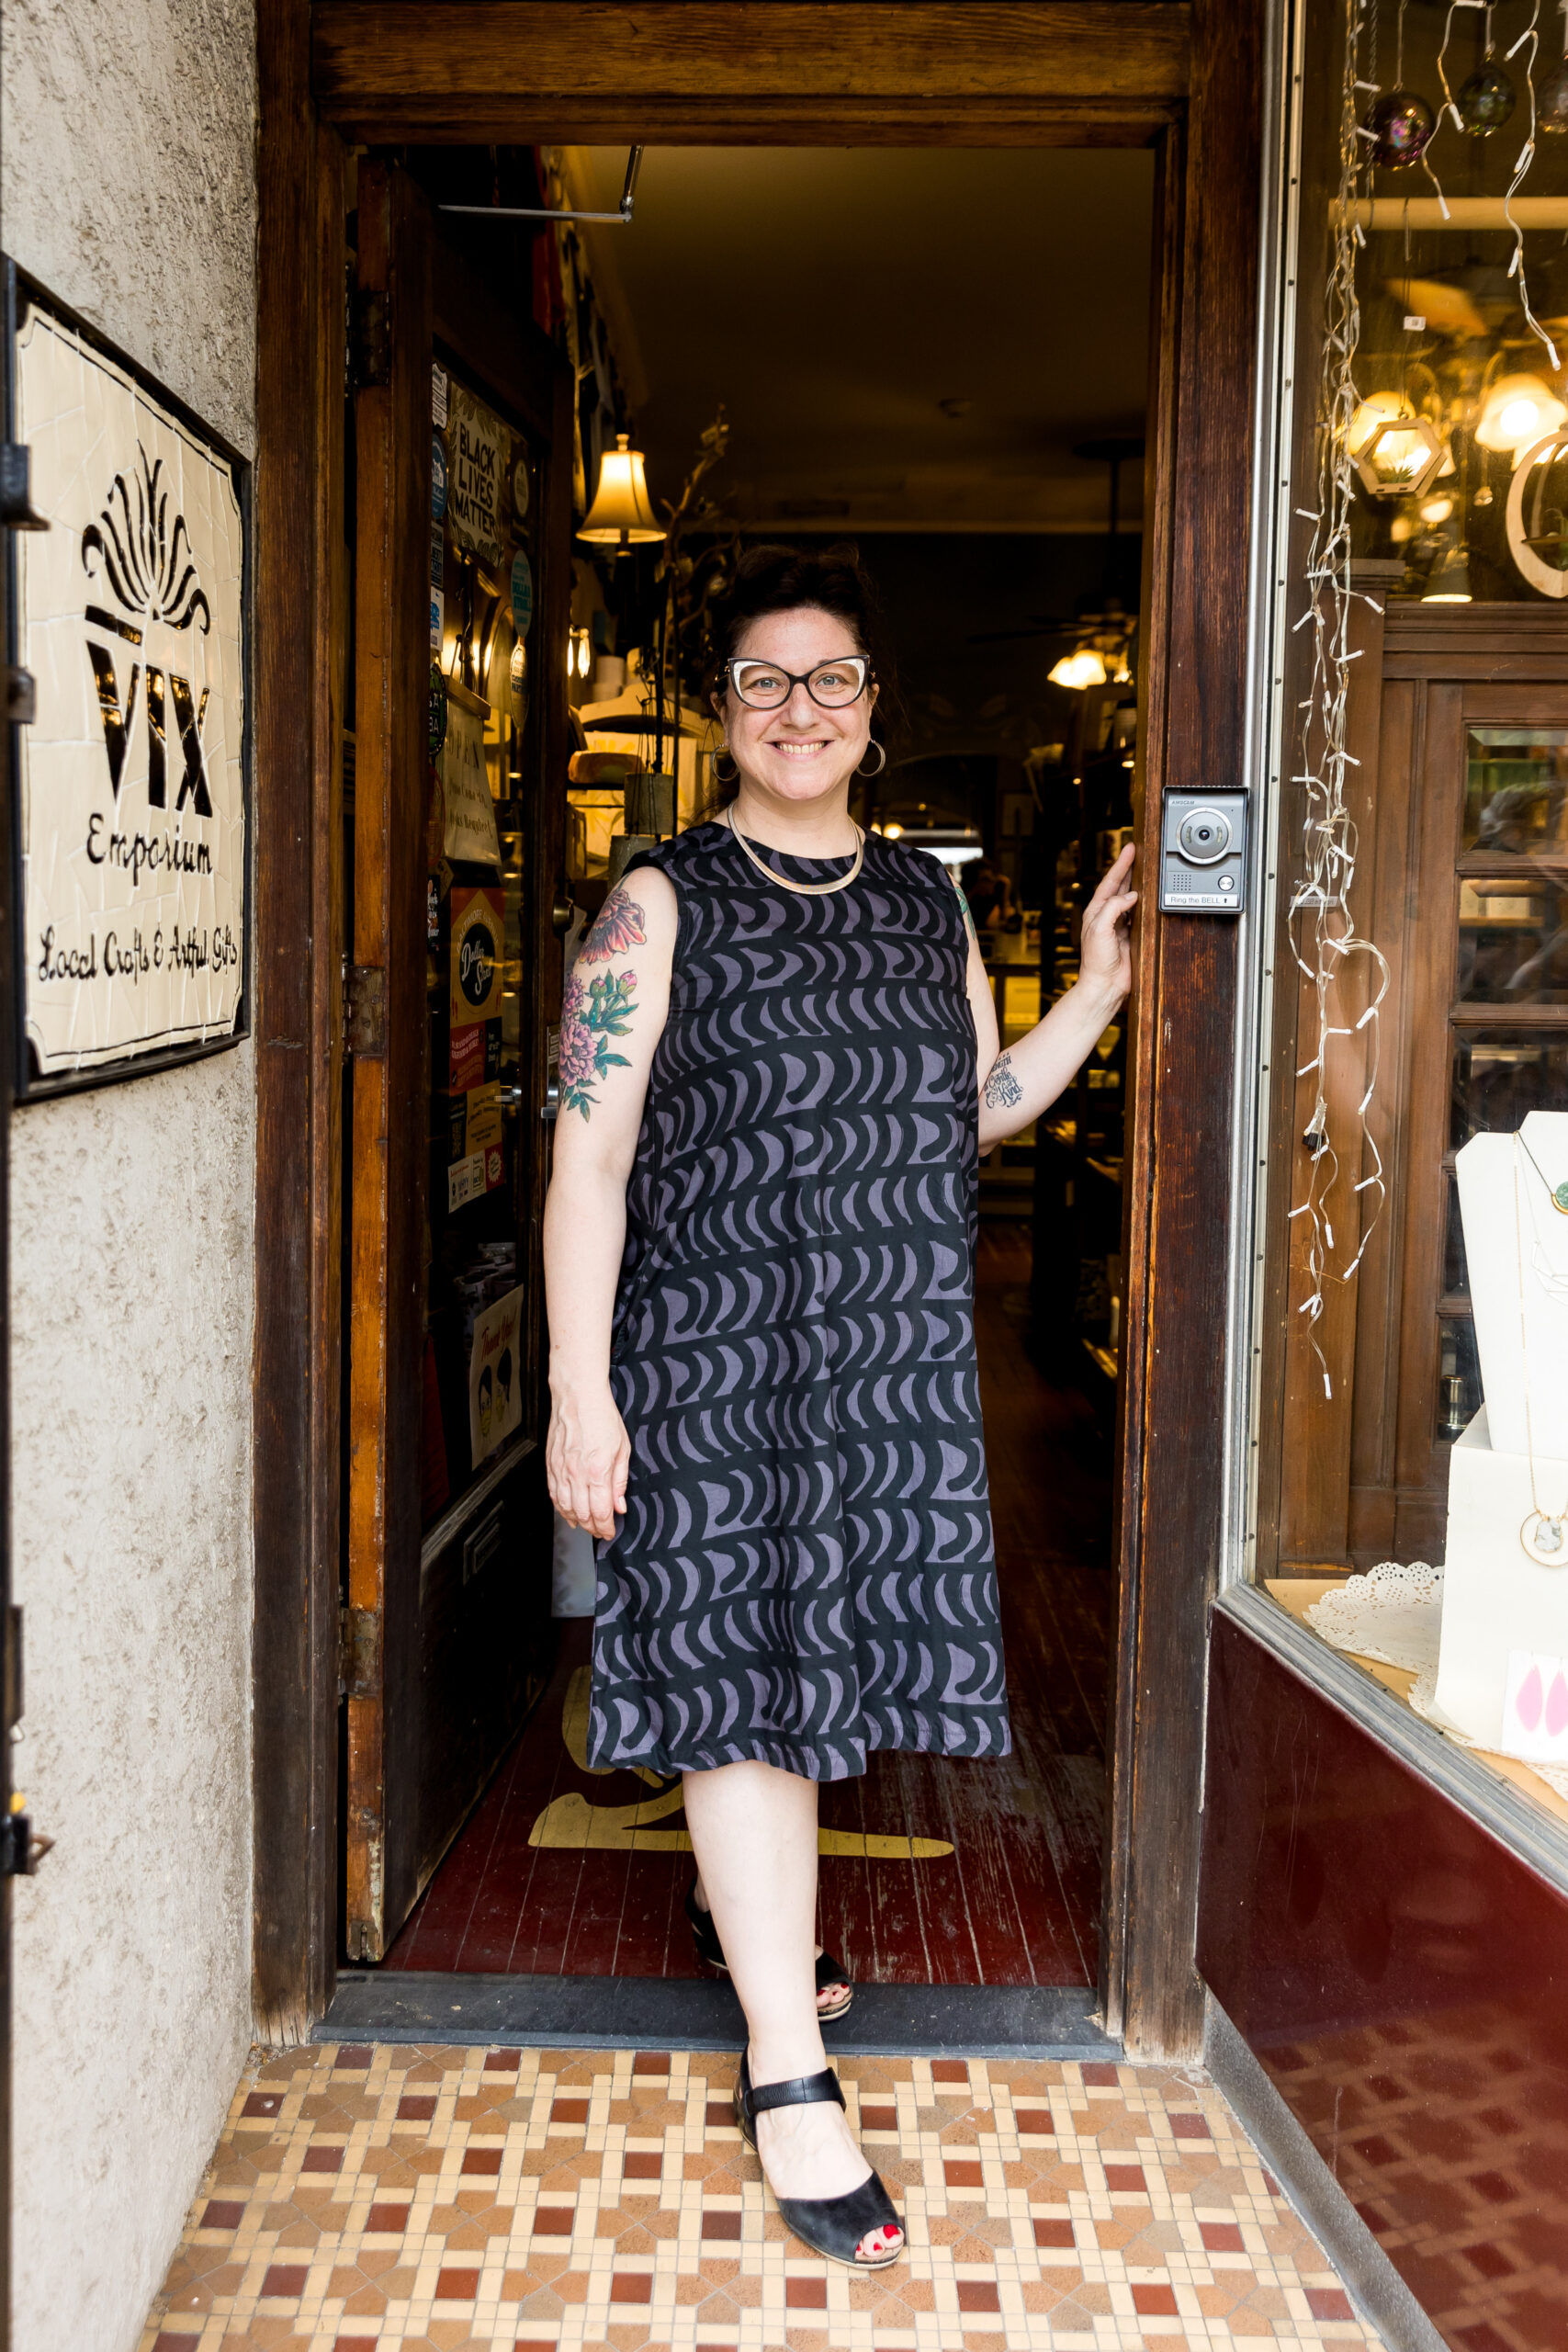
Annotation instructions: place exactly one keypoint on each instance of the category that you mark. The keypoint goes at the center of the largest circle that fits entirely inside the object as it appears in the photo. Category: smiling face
(800, 752)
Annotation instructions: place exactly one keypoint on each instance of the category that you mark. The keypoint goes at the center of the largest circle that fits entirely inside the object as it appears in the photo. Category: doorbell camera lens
(1205, 836)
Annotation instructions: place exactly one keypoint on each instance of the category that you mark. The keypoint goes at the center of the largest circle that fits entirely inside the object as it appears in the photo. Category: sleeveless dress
(805, 1569)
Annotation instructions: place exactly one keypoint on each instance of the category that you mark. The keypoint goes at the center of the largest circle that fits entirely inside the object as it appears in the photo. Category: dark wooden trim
(1180, 1153)
(740, 70)
(508, 358)
(1142, 1061)
(392, 1085)
(297, 1001)
(1057, 73)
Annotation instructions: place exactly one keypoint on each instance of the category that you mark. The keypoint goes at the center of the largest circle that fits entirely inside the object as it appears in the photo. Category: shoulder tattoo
(964, 902)
(620, 924)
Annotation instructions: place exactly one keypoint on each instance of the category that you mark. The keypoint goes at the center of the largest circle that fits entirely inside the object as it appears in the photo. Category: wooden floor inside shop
(933, 1870)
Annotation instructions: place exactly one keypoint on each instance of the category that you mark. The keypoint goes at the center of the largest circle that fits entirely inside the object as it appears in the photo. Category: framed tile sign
(134, 804)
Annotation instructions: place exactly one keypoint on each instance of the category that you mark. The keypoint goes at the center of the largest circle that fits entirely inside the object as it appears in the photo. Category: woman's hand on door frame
(1105, 948)
(587, 1456)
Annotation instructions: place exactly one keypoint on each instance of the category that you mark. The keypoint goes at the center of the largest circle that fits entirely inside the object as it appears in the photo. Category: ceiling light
(1518, 411)
(1079, 669)
(621, 515)
(892, 833)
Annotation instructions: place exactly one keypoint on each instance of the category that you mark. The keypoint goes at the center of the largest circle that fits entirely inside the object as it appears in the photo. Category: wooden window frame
(1361, 1476)
(1186, 80)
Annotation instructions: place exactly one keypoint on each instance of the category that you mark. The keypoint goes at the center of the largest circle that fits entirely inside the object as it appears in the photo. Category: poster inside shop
(471, 837)
(477, 1163)
(495, 1385)
(479, 455)
(132, 784)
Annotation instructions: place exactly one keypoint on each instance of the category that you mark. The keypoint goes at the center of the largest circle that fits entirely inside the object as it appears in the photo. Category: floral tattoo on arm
(964, 902)
(590, 1017)
(619, 925)
(1001, 1091)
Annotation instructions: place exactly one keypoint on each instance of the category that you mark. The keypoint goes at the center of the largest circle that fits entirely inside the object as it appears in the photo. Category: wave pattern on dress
(804, 1571)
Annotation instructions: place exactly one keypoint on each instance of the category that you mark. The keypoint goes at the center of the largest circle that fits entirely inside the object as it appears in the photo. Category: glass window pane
(1515, 802)
(1500, 1075)
(1458, 1382)
(1513, 941)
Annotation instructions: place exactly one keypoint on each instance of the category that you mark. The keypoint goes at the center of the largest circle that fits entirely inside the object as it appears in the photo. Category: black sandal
(833, 2226)
(829, 1971)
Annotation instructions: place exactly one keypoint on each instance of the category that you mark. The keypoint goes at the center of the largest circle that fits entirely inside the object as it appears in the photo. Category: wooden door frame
(1186, 79)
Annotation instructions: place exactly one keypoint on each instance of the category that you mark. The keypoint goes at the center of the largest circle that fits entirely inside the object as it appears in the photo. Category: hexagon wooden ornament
(1402, 459)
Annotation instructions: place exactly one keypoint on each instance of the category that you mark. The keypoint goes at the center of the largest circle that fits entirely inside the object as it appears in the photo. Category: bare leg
(754, 1831)
(827, 1995)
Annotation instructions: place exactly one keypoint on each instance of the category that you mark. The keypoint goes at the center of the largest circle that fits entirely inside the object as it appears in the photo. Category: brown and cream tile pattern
(449, 2200)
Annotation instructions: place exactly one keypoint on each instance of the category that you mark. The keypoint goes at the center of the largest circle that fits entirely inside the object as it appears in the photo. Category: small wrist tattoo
(1001, 1091)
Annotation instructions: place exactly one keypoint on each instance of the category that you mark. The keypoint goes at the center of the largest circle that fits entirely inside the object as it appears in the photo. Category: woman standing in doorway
(779, 1064)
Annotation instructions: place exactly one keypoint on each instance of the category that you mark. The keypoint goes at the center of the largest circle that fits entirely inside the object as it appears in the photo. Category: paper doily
(1392, 1614)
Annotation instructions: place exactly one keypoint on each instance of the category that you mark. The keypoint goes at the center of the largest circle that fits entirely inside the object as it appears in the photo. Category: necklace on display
(802, 889)
(1544, 1534)
(1556, 1194)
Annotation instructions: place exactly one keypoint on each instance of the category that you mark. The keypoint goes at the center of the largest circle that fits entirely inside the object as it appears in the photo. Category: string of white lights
(1322, 924)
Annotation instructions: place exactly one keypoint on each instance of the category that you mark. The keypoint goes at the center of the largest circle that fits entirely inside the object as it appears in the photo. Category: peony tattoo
(618, 927)
(590, 1017)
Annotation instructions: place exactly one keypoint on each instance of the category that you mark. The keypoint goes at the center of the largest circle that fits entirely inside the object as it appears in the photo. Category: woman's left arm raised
(1018, 1085)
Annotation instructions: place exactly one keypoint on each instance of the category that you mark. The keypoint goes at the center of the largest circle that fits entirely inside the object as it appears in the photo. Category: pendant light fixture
(1085, 668)
(1516, 411)
(621, 515)
(1450, 582)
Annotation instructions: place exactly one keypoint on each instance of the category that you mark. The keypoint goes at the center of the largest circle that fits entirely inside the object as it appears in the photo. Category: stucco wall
(129, 191)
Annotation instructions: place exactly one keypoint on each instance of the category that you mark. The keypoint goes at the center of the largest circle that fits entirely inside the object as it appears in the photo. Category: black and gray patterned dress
(804, 1571)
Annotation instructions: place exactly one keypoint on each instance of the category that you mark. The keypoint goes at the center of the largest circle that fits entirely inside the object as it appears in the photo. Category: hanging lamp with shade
(1079, 669)
(1451, 581)
(621, 515)
(1517, 410)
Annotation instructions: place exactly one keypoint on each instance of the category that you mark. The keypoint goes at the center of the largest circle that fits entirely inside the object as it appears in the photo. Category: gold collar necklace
(802, 889)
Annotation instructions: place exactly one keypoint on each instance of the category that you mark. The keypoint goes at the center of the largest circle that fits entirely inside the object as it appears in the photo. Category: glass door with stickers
(458, 719)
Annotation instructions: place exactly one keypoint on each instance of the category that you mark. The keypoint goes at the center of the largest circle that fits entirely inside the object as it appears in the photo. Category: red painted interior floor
(1017, 1899)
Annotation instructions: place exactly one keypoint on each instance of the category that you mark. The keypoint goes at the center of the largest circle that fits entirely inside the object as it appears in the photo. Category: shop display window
(1408, 1499)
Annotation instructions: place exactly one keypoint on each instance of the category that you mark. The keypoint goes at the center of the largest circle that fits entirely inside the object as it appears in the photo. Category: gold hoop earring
(719, 774)
(881, 751)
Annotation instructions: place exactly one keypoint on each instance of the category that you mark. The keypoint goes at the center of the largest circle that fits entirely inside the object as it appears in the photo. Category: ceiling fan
(1104, 627)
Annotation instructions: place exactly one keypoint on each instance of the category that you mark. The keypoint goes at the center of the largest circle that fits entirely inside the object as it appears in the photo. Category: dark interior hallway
(933, 1871)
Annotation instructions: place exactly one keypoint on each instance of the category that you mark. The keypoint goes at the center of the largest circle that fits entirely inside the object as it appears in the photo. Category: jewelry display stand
(1509, 1473)
(1497, 1184)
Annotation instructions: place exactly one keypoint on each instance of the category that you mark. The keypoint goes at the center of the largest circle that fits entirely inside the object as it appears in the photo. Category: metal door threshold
(677, 2013)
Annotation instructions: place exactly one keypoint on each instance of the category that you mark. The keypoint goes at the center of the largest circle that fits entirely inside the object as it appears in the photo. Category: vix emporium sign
(134, 808)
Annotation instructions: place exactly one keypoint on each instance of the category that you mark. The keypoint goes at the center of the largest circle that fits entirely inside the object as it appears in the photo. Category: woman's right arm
(613, 1017)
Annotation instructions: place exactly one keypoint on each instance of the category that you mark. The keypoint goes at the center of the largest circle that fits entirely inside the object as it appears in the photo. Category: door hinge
(370, 345)
(359, 1653)
(365, 1012)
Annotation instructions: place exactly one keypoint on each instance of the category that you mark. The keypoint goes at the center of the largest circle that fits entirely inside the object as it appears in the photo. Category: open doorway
(943, 354)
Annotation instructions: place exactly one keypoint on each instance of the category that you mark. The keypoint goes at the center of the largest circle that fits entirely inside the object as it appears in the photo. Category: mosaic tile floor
(446, 2199)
